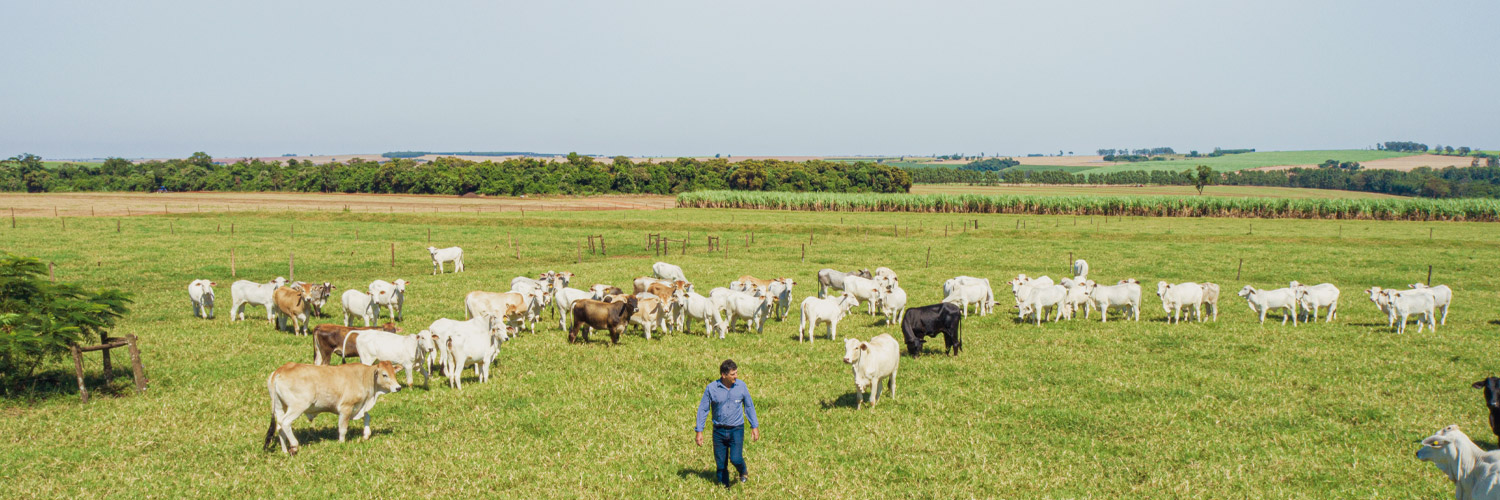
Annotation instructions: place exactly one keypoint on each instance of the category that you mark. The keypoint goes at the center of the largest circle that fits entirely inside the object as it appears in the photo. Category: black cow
(928, 321)
(1491, 388)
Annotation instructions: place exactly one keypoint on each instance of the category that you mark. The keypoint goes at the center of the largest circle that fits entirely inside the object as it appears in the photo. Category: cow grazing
(611, 316)
(1211, 297)
(872, 361)
(1441, 294)
(201, 292)
(830, 310)
(1405, 303)
(468, 346)
(1475, 473)
(349, 390)
(667, 271)
(361, 305)
(450, 254)
(1313, 298)
(1175, 297)
(833, 279)
(335, 339)
(1261, 301)
(292, 302)
(406, 351)
(243, 293)
(393, 298)
(1491, 386)
(928, 321)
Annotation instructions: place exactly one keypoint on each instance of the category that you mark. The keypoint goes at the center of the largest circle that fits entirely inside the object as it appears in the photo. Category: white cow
(1261, 301)
(1382, 302)
(692, 305)
(359, 304)
(479, 347)
(1022, 286)
(537, 298)
(1174, 297)
(444, 329)
(1312, 298)
(201, 292)
(893, 304)
(1442, 294)
(1211, 297)
(244, 292)
(1078, 297)
(534, 286)
(753, 308)
(1039, 298)
(782, 290)
(394, 297)
(650, 313)
(872, 361)
(1475, 473)
(885, 276)
(864, 289)
(1126, 294)
(828, 310)
(1080, 269)
(965, 290)
(450, 254)
(667, 271)
(407, 351)
(562, 302)
(510, 307)
(1405, 303)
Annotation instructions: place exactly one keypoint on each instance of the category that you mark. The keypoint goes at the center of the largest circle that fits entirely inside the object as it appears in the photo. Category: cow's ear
(398, 368)
(864, 346)
(1480, 384)
(382, 292)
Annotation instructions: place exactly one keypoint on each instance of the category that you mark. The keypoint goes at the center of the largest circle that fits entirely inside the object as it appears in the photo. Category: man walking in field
(730, 402)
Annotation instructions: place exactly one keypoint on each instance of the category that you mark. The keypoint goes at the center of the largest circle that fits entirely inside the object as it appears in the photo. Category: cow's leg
(875, 393)
(859, 396)
(289, 439)
(833, 330)
(1103, 313)
(891, 384)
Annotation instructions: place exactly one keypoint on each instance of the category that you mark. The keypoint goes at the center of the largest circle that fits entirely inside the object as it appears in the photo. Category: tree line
(1480, 181)
(578, 175)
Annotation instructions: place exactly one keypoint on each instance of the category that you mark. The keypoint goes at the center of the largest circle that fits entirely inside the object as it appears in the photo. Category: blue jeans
(729, 445)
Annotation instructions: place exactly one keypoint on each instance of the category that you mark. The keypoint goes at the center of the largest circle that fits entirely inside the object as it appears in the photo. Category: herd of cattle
(667, 301)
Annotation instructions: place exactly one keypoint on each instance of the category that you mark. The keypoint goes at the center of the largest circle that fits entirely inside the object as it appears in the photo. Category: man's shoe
(744, 478)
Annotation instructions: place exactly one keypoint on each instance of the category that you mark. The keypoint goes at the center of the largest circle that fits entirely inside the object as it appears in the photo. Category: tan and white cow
(348, 390)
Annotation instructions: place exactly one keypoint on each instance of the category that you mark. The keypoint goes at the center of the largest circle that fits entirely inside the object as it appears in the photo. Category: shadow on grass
(848, 400)
(54, 383)
(326, 428)
(1494, 322)
(708, 475)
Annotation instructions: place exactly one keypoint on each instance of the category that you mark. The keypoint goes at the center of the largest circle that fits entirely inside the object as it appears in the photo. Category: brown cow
(293, 302)
(612, 316)
(329, 339)
(750, 281)
(319, 294)
(349, 390)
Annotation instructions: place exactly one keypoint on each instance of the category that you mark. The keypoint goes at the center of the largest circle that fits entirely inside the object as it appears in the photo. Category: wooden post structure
(130, 342)
(804, 253)
(53, 277)
(429, 236)
(929, 257)
(393, 254)
(83, 392)
(231, 228)
(64, 221)
(291, 266)
(1238, 269)
(580, 254)
(1429, 234)
(232, 274)
(1429, 275)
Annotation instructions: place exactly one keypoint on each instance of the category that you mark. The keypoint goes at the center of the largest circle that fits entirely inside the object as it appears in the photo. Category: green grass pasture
(1226, 409)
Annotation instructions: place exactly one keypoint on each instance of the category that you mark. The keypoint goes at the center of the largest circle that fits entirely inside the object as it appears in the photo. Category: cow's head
(426, 342)
(385, 377)
(400, 285)
(279, 282)
(1293, 284)
(1247, 292)
(1162, 287)
(1443, 450)
(391, 327)
(1417, 285)
(1376, 295)
(847, 301)
(854, 350)
(1129, 281)
(497, 327)
(432, 250)
(1491, 386)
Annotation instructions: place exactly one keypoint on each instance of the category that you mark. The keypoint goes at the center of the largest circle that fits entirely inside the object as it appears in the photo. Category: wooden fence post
(929, 257)
(83, 392)
(53, 277)
(804, 252)
(1429, 275)
(291, 266)
(393, 254)
(1429, 234)
(1238, 269)
(232, 274)
(138, 372)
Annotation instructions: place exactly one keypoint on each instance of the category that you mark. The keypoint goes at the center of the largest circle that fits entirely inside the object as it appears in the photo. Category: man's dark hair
(728, 366)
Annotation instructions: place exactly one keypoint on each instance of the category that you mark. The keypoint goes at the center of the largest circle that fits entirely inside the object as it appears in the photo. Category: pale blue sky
(155, 79)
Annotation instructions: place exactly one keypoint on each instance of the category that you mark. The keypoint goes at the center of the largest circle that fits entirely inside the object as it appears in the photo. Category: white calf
(965, 290)
(404, 350)
(824, 310)
(359, 304)
(1078, 297)
(782, 290)
(667, 271)
(893, 305)
(1261, 301)
(692, 305)
(1405, 303)
(1174, 297)
(450, 254)
(1382, 302)
(871, 362)
(1442, 294)
(754, 309)
(1211, 297)
(1127, 295)
(244, 292)
(201, 292)
(1039, 298)
(444, 329)
(394, 297)
(473, 346)
(1312, 298)
(863, 289)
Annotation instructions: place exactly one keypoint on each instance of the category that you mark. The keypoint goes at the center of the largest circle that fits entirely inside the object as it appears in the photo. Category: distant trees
(1346, 165)
(1203, 178)
(1402, 146)
(991, 164)
(1221, 152)
(580, 174)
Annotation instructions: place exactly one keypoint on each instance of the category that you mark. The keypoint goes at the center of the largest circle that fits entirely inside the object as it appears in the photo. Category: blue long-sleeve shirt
(730, 405)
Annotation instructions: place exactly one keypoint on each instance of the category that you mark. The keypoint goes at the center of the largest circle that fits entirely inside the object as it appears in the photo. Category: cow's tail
(343, 348)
